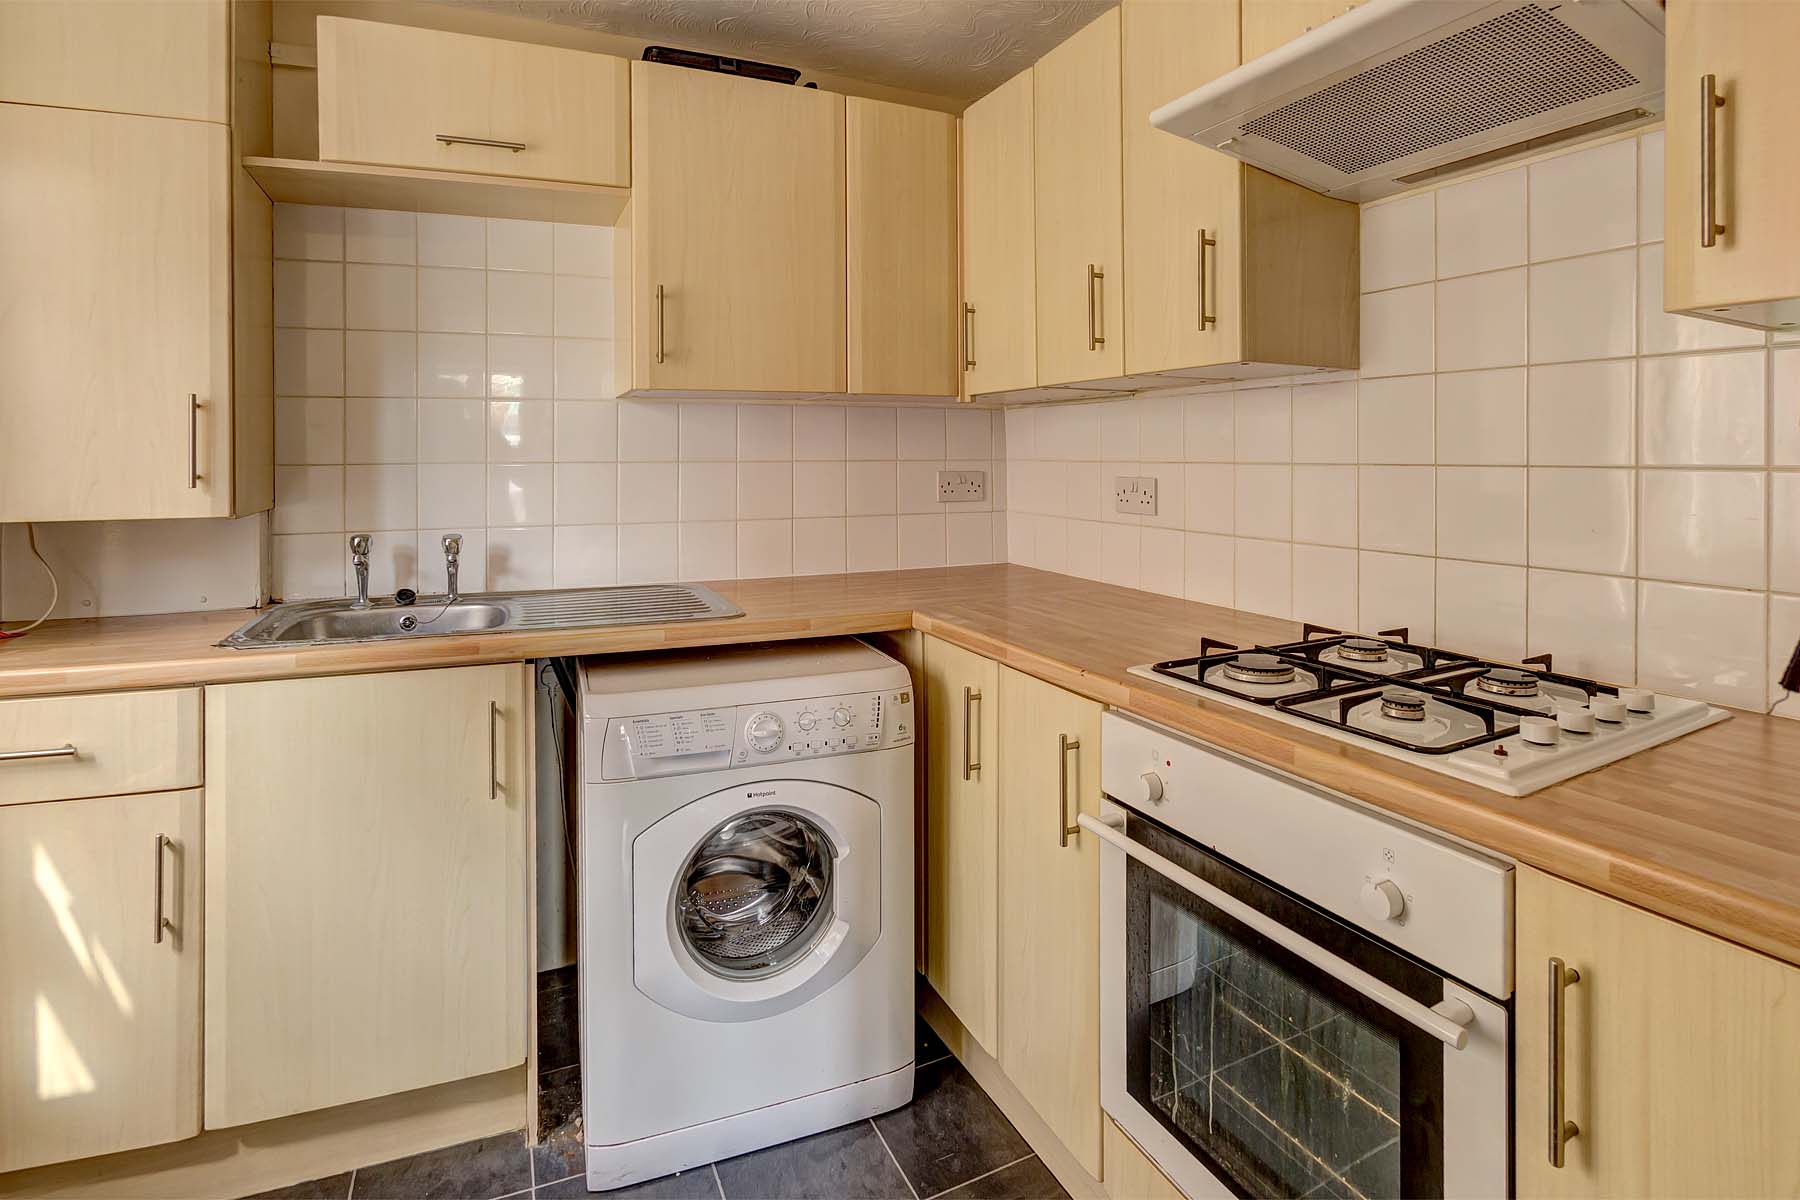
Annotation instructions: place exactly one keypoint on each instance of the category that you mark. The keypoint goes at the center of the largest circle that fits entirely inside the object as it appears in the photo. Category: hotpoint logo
(758, 795)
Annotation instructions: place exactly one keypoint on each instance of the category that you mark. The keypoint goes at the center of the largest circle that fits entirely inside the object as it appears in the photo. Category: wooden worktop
(1705, 829)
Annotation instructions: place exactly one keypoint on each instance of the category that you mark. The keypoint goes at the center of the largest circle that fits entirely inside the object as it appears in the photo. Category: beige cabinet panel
(1176, 192)
(159, 58)
(1050, 908)
(900, 224)
(365, 886)
(1272, 23)
(105, 744)
(999, 249)
(1679, 1054)
(1753, 267)
(99, 1018)
(1079, 233)
(736, 234)
(1130, 1175)
(107, 374)
(962, 697)
(386, 93)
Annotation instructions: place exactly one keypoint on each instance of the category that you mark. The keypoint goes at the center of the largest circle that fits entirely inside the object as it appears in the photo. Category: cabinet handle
(162, 921)
(968, 337)
(971, 764)
(1064, 828)
(661, 354)
(63, 751)
(1207, 319)
(1710, 100)
(1096, 307)
(193, 441)
(1561, 1130)
(456, 139)
(493, 749)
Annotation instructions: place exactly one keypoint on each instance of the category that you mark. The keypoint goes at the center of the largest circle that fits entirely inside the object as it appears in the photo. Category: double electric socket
(960, 487)
(1135, 494)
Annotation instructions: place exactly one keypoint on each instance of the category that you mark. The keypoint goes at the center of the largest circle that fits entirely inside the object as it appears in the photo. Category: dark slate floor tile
(559, 1105)
(950, 1133)
(331, 1187)
(1028, 1180)
(927, 1046)
(560, 1153)
(559, 1029)
(479, 1170)
(697, 1184)
(848, 1163)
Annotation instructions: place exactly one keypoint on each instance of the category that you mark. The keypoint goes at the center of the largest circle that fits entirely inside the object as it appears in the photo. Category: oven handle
(1446, 1021)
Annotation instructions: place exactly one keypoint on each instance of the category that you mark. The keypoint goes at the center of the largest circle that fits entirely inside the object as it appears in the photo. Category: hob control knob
(1383, 900)
(1576, 720)
(808, 721)
(766, 732)
(1539, 731)
(1153, 787)
(1638, 700)
(840, 716)
(1610, 709)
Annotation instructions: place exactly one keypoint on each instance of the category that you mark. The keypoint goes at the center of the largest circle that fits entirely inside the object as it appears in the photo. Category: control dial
(1153, 787)
(808, 721)
(1383, 900)
(766, 732)
(840, 716)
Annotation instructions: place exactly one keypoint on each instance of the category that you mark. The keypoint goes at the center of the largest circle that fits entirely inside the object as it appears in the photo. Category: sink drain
(409, 622)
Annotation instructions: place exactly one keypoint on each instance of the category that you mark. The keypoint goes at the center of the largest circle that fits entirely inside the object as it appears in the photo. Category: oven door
(1254, 1045)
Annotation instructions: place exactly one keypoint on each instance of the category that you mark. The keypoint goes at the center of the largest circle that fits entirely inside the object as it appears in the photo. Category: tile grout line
(965, 1183)
(351, 1194)
(718, 1180)
(904, 1177)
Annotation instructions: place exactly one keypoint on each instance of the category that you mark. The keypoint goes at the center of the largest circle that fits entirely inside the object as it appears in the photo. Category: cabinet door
(1130, 1175)
(900, 218)
(1678, 1055)
(1079, 231)
(1747, 46)
(115, 316)
(157, 58)
(365, 886)
(99, 1001)
(1272, 23)
(1177, 193)
(961, 703)
(388, 92)
(1050, 908)
(999, 253)
(737, 236)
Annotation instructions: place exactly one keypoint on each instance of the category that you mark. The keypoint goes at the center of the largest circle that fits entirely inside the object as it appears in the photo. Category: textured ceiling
(956, 48)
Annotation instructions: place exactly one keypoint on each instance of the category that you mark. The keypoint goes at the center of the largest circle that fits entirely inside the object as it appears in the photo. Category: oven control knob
(1382, 899)
(766, 732)
(1153, 787)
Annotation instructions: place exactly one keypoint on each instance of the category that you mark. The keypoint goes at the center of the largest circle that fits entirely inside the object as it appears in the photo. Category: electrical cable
(55, 591)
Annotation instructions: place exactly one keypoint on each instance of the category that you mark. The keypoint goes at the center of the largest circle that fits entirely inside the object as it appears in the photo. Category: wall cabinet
(365, 886)
(396, 95)
(1732, 233)
(900, 249)
(962, 697)
(1076, 146)
(100, 999)
(158, 58)
(736, 235)
(1677, 1059)
(999, 250)
(1272, 23)
(1050, 907)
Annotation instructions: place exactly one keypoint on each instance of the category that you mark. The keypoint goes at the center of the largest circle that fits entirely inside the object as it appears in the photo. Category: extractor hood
(1398, 92)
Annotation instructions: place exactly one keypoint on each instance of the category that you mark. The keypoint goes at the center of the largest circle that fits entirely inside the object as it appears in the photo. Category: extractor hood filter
(1403, 90)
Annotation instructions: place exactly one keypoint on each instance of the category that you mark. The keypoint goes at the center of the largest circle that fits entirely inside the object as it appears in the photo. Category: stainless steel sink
(328, 622)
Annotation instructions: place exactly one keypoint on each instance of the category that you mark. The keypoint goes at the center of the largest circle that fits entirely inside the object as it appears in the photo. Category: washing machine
(746, 900)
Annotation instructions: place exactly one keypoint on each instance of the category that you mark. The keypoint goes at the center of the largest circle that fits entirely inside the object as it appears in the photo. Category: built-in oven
(1299, 996)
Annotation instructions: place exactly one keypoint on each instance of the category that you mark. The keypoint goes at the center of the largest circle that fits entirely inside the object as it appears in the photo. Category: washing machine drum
(756, 895)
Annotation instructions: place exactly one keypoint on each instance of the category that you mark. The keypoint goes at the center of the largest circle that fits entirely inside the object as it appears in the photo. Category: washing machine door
(754, 899)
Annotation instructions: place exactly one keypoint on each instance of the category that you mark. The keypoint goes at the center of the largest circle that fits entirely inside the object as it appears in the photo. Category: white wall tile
(451, 497)
(1481, 321)
(1395, 420)
(308, 566)
(819, 546)
(1121, 555)
(447, 241)
(1784, 534)
(1209, 574)
(1481, 514)
(520, 302)
(1397, 591)
(1588, 621)
(1581, 414)
(819, 489)
(309, 430)
(452, 431)
(381, 430)
(1264, 425)
(647, 492)
(309, 231)
(708, 550)
(1265, 577)
(869, 433)
(921, 541)
(1703, 527)
(1264, 501)
(1784, 642)
(1397, 332)
(819, 434)
(380, 296)
(471, 565)
(376, 236)
(1481, 417)
(1393, 253)
(1162, 423)
(1325, 504)
(1397, 509)
(524, 494)
(1584, 201)
(586, 494)
(308, 500)
(1324, 420)
(452, 300)
(765, 549)
(381, 497)
(920, 432)
(1784, 410)
(584, 369)
(584, 555)
(1702, 409)
(1650, 187)
(1481, 608)
(1209, 427)
(647, 431)
(1480, 224)
(707, 491)
(765, 432)
(870, 543)
(309, 362)
(765, 490)
(521, 431)
(1210, 497)
(1325, 586)
(648, 553)
(582, 307)
(309, 295)
(968, 538)
(1119, 431)
(583, 250)
(452, 364)
(708, 432)
(1580, 519)
(1703, 643)
(519, 245)
(1580, 308)
(380, 364)
(587, 430)
(393, 562)
(520, 558)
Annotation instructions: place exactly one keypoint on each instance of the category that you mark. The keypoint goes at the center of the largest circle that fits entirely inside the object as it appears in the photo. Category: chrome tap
(359, 558)
(452, 552)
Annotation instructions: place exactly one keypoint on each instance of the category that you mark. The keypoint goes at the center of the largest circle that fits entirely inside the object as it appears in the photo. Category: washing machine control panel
(708, 739)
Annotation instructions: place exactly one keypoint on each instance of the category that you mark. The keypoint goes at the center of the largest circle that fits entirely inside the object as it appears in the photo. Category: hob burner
(1259, 668)
(1363, 650)
(1505, 681)
(1401, 705)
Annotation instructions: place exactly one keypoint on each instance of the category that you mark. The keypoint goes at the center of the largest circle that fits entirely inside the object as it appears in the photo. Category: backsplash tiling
(1534, 457)
(443, 374)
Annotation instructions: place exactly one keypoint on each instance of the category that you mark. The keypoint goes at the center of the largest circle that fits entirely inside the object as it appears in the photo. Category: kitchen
(1366, 602)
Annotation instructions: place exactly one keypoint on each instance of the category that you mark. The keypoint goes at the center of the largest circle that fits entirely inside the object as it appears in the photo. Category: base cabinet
(365, 886)
(1678, 1058)
(99, 976)
(1130, 1175)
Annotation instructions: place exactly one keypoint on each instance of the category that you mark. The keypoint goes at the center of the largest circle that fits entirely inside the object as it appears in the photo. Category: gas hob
(1514, 728)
